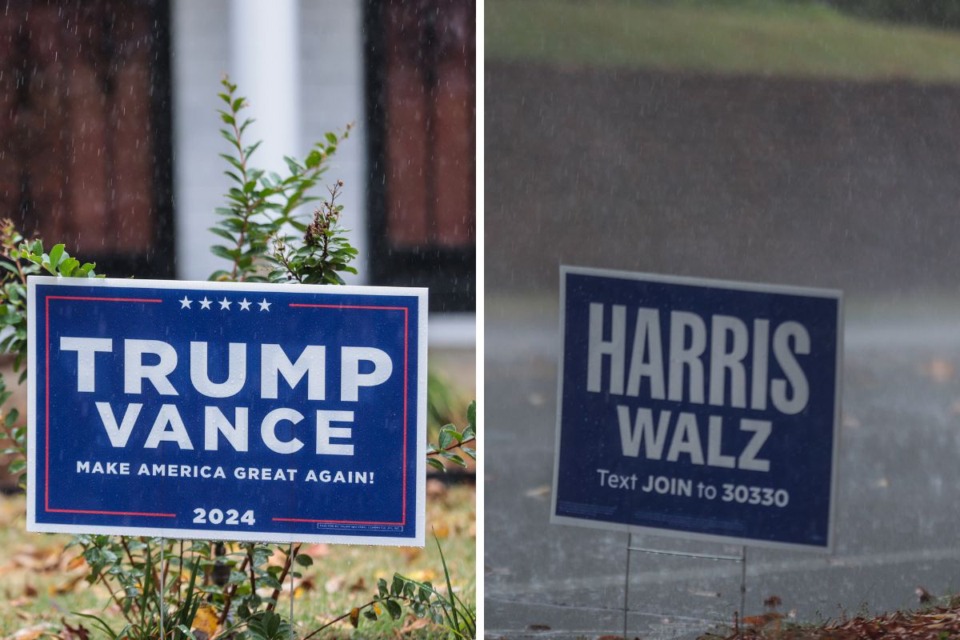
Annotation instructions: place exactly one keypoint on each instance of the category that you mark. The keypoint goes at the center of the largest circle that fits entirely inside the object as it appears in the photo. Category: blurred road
(897, 524)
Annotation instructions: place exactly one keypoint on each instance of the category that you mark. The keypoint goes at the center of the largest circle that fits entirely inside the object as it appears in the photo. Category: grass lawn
(41, 587)
(768, 37)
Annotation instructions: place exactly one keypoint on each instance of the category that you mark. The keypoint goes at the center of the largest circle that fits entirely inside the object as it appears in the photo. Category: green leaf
(56, 254)
(228, 135)
(223, 252)
(248, 151)
(455, 459)
(9, 266)
(393, 608)
(223, 233)
(67, 266)
(233, 161)
(314, 158)
(220, 275)
(448, 437)
(436, 464)
(292, 165)
(304, 560)
(271, 582)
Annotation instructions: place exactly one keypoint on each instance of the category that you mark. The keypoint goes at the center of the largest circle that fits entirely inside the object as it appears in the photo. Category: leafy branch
(19, 259)
(261, 205)
(324, 252)
(423, 600)
(450, 439)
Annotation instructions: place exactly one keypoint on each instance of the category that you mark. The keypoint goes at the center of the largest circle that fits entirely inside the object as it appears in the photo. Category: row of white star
(205, 303)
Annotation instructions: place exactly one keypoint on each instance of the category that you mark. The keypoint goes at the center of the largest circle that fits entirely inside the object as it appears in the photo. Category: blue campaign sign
(698, 408)
(231, 411)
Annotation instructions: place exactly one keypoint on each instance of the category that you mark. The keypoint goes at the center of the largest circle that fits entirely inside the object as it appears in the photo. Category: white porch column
(265, 64)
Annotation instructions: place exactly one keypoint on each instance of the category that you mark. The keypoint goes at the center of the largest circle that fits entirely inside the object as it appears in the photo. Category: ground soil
(832, 183)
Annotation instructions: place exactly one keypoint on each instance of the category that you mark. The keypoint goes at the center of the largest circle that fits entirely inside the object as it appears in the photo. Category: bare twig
(283, 576)
(455, 445)
(228, 597)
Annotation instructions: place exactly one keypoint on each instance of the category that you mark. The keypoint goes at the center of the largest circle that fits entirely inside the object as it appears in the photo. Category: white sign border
(833, 294)
(421, 294)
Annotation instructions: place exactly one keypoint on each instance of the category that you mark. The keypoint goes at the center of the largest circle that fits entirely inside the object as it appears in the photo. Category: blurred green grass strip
(757, 37)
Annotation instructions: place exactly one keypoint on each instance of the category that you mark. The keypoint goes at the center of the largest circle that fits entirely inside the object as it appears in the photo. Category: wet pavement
(897, 519)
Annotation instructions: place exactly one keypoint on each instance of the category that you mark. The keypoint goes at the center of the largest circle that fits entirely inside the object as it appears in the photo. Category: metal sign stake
(743, 580)
(626, 586)
(160, 586)
(741, 559)
(292, 569)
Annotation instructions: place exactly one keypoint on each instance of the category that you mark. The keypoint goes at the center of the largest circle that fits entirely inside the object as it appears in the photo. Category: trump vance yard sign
(233, 411)
(698, 408)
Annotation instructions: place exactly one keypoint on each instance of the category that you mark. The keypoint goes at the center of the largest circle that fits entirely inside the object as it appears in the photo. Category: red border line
(406, 355)
(46, 469)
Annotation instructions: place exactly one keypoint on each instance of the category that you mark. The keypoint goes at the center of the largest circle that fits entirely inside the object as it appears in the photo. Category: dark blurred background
(758, 140)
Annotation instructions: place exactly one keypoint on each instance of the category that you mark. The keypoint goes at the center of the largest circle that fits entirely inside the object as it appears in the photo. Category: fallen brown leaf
(763, 620)
(436, 489)
(414, 623)
(938, 370)
(320, 550)
(206, 621)
(931, 624)
(538, 492)
(31, 633)
(68, 586)
(423, 575)
(334, 584)
(411, 553)
(78, 633)
(359, 585)
(307, 584)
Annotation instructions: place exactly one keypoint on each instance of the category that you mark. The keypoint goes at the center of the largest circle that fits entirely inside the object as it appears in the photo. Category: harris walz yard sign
(221, 410)
(698, 408)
